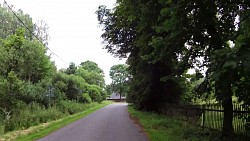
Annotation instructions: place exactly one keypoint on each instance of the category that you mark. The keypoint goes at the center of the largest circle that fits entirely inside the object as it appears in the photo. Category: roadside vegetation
(162, 128)
(32, 90)
(41, 130)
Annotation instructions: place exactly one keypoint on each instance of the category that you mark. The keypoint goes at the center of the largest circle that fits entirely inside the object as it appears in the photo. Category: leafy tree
(85, 75)
(26, 58)
(59, 82)
(71, 69)
(72, 90)
(94, 93)
(109, 89)
(163, 39)
(9, 23)
(90, 67)
(208, 41)
(128, 31)
(91, 73)
(119, 75)
(13, 46)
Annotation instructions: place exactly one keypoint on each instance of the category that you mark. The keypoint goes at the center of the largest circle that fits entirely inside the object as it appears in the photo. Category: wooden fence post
(186, 112)
(203, 115)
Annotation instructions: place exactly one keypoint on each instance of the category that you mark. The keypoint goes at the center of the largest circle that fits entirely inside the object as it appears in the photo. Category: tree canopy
(120, 79)
(163, 39)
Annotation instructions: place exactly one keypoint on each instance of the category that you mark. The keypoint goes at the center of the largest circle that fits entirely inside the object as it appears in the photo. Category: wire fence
(210, 116)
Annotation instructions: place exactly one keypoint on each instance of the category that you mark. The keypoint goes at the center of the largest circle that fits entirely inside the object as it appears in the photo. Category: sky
(73, 30)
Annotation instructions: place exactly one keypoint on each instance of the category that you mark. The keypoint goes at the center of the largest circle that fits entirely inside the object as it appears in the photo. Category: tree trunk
(227, 130)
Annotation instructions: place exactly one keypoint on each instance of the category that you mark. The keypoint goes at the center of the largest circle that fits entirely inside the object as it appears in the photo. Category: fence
(210, 116)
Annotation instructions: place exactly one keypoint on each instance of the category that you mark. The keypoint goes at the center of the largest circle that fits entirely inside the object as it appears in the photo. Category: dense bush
(85, 98)
(70, 107)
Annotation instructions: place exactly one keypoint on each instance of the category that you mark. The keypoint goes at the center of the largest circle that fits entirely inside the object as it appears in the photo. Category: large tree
(24, 65)
(120, 77)
(9, 23)
(92, 73)
(128, 31)
(24, 57)
(212, 44)
(163, 39)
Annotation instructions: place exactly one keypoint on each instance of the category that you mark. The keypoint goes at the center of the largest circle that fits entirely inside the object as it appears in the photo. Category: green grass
(214, 120)
(45, 129)
(161, 128)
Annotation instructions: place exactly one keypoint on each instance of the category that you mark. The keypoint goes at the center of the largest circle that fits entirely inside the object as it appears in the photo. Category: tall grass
(41, 130)
(161, 128)
(33, 114)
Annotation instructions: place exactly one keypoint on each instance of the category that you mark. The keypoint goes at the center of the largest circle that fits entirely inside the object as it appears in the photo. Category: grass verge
(161, 128)
(42, 130)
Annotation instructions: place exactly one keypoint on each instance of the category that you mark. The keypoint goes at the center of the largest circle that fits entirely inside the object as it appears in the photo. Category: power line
(33, 33)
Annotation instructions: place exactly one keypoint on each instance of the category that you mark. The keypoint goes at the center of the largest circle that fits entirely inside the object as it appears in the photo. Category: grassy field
(42, 130)
(161, 128)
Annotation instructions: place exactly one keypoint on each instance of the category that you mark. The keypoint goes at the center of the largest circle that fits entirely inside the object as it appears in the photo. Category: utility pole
(49, 93)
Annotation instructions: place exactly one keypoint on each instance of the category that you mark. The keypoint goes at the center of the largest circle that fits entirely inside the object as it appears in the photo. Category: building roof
(116, 96)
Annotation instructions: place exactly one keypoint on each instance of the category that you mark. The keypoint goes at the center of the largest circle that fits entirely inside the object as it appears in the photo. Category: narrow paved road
(110, 123)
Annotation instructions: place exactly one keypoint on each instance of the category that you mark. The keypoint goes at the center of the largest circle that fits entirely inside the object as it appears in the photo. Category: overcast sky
(73, 29)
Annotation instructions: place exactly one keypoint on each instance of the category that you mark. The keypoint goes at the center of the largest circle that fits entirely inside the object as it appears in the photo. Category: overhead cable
(20, 20)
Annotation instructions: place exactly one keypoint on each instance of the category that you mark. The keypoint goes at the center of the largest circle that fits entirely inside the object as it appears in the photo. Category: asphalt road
(110, 123)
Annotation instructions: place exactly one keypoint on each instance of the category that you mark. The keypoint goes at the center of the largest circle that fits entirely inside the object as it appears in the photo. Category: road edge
(42, 130)
(138, 123)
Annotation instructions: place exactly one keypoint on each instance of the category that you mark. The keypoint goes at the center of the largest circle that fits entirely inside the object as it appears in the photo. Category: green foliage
(85, 98)
(91, 67)
(72, 86)
(27, 115)
(163, 39)
(94, 93)
(37, 64)
(43, 130)
(129, 30)
(120, 79)
(71, 69)
(33, 114)
(10, 23)
(31, 89)
(32, 93)
(91, 73)
(108, 89)
(162, 128)
(90, 77)
(70, 107)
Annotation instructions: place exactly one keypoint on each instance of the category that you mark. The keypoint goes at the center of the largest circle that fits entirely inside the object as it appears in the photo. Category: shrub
(94, 93)
(70, 107)
(85, 98)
